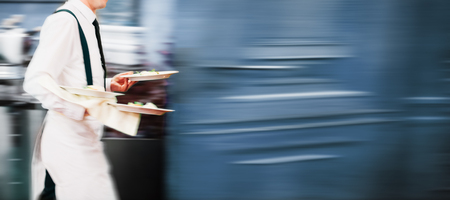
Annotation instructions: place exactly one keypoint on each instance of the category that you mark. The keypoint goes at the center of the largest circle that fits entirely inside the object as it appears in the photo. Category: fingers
(125, 73)
(122, 83)
(123, 88)
(119, 76)
(131, 83)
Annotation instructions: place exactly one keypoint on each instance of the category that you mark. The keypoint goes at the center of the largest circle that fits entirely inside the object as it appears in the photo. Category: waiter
(69, 153)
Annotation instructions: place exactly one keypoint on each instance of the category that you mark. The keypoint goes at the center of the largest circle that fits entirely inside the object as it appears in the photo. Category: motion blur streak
(275, 100)
(310, 99)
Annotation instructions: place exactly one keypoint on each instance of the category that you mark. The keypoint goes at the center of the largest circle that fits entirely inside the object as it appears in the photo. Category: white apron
(72, 153)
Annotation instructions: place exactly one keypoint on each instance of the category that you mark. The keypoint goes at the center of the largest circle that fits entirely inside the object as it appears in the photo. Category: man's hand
(121, 84)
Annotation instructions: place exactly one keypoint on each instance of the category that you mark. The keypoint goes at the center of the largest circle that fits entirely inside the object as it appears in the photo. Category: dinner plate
(93, 93)
(141, 110)
(161, 75)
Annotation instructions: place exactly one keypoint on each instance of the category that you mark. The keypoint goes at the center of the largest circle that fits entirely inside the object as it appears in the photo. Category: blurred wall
(35, 12)
(307, 99)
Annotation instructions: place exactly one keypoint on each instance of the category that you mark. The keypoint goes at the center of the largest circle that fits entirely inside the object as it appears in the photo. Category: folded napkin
(98, 108)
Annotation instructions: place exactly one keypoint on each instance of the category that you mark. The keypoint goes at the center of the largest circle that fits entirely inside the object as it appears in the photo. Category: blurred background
(275, 100)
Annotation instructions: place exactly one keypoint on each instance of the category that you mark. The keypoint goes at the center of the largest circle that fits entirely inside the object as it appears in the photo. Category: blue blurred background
(275, 100)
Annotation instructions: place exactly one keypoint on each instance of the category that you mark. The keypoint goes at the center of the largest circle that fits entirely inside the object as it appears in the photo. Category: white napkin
(98, 108)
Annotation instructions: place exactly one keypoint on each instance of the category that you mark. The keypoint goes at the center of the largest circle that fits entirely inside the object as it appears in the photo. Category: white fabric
(108, 84)
(59, 55)
(99, 108)
(69, 147)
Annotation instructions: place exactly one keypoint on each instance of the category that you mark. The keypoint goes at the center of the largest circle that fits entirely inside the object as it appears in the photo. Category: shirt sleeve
(50, 58)
(108, 84)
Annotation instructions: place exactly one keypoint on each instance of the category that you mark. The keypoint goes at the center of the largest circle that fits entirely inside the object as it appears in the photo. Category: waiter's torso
(73, 70)
(73, 73)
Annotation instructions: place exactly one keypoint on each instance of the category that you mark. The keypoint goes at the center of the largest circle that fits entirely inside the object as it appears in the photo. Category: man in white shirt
(69, 147)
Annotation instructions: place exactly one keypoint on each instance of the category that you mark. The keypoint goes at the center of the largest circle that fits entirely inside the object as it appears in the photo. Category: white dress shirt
(69, 146)
(60, 56)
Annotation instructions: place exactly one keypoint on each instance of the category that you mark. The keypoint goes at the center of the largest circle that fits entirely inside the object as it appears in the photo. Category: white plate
(141, 110)
(161, 75)
(93, 93)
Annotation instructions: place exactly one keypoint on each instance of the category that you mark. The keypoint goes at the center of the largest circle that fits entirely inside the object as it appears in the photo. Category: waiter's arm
(49, 59)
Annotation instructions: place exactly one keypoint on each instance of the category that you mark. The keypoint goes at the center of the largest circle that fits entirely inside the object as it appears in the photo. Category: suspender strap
(84, 46)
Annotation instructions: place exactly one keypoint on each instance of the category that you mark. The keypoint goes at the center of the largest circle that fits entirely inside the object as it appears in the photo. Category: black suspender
(84, 46)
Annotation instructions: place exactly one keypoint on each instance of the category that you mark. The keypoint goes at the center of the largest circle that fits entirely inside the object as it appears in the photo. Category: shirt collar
(84, 10)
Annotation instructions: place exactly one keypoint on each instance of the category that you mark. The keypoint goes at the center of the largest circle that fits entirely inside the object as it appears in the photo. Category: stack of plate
(124, 107)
